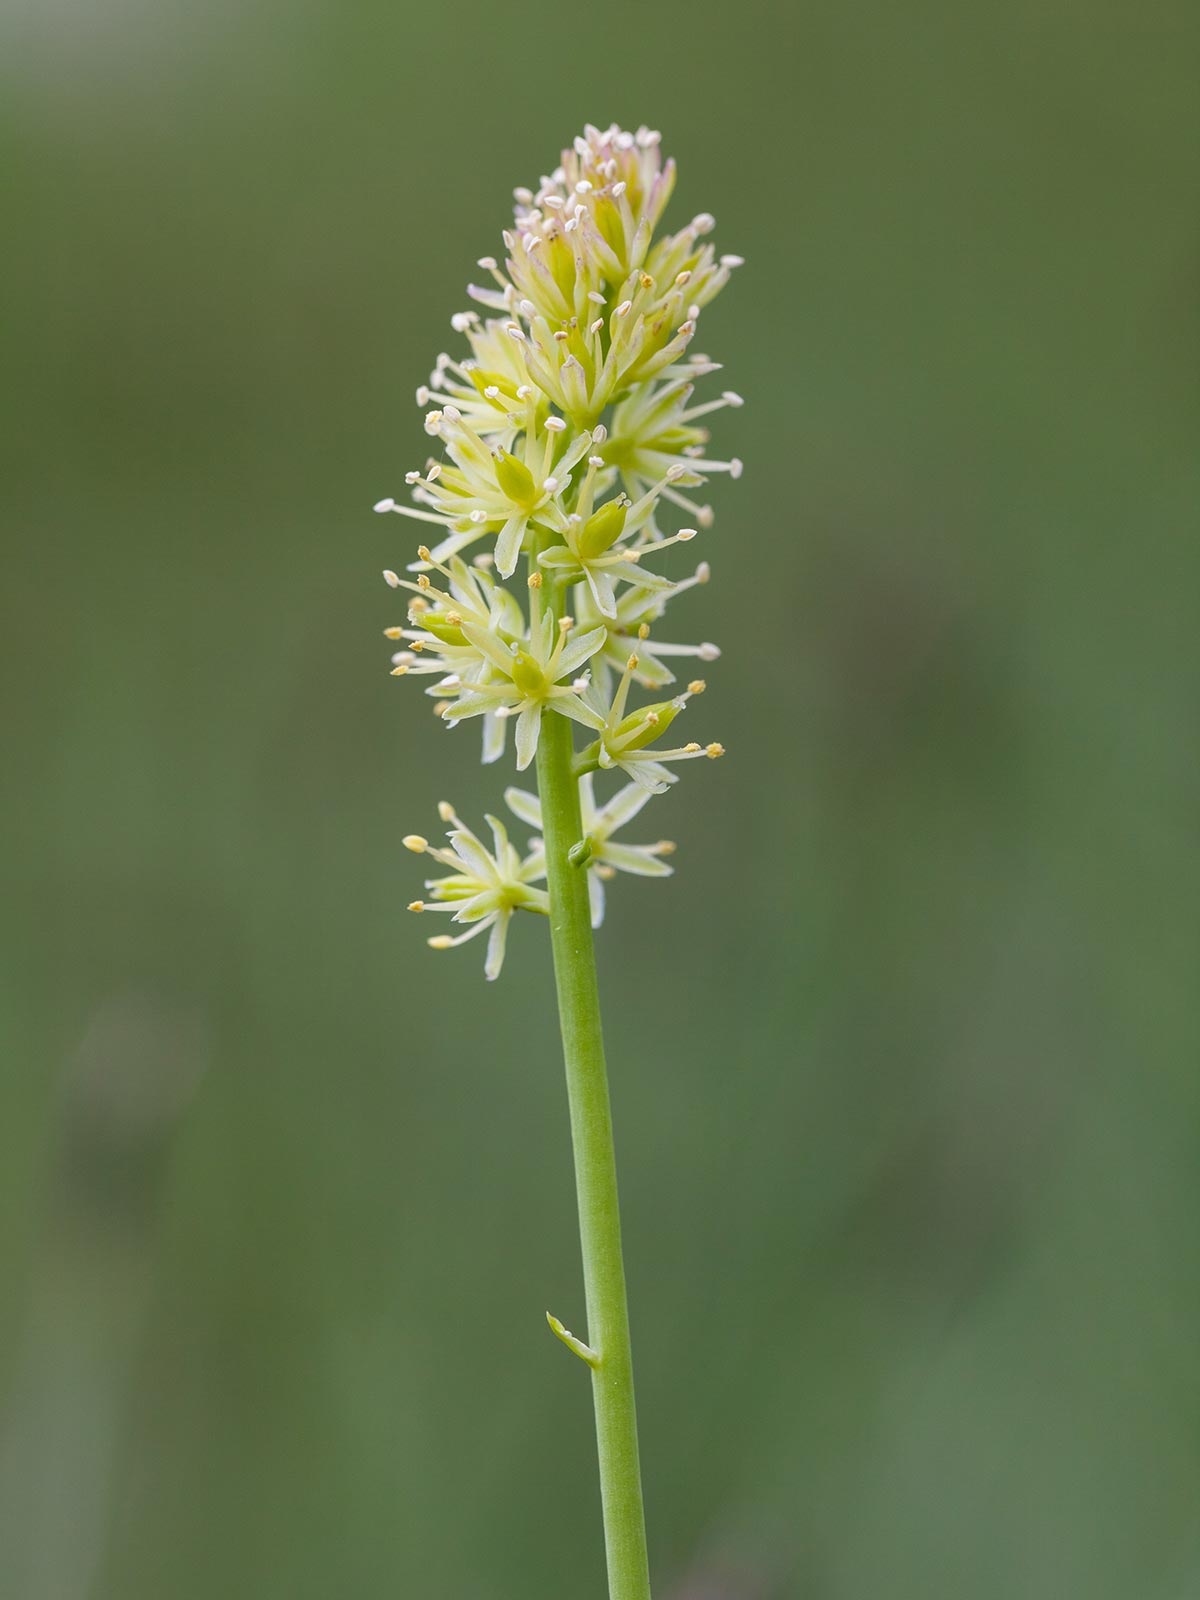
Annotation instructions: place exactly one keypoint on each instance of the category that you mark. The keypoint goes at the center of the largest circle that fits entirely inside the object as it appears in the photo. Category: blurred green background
(904, 1056)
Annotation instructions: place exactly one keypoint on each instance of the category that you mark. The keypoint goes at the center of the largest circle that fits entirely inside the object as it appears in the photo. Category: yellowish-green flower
(625, 736)
(527, 679)
(484, 887)
(605, 856)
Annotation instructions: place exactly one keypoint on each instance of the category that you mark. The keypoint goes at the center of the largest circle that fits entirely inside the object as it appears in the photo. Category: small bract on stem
(569, 437)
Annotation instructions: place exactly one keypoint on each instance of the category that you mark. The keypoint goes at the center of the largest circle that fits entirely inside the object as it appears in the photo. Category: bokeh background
(904, 1057)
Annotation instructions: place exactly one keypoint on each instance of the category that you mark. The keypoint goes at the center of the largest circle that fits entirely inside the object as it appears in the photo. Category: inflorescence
(568, 438)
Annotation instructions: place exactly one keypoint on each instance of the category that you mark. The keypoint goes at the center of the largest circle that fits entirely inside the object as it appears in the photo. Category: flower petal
(508, 545)
(623, 806)
(596, 898)
(528, 727)
(580, 649)
(524, 805)
(488, 645)
(638, 859)
(497, 940)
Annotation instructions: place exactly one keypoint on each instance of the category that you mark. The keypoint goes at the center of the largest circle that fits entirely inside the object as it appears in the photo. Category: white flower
(590, 548)
(436, 643)
(654, 427)
(492, 491)
(630, 633)
(605, 857)
(527, 679)
(484, 886)
(624, 737)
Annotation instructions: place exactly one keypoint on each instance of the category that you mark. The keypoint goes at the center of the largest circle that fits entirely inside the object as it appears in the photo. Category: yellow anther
(691, 748)
(423, 552)
(697, 686)
(440, 941)
(446, 811)
(646, 281)
(417, 606)
(398, 672)
(418, 645)
(631, 664)
(565, 624)
(441, 707)
(422, 580)
(605, 871)
(652, 719)
(644, 631)
(415, 843)
(393, 633)
(665, 847)
(712, 751)
(454, 619)
(535, 580)
(416, 905)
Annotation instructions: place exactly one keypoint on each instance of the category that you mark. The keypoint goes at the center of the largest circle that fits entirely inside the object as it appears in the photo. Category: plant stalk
(595, 1169)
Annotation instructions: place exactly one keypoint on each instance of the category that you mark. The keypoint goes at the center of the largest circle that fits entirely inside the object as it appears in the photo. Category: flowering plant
(569, 439)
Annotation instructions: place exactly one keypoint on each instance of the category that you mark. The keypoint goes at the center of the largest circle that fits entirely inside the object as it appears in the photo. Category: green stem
(595, 1169)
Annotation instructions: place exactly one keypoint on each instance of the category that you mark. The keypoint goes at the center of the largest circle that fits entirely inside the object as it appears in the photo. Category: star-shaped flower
(484, 887)
(605, 856)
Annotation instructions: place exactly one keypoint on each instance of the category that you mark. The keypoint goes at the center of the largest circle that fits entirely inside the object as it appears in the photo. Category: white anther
(555, 425)
(732, 399)
(384, 505)
(488, 263)
(733, 261)
(390, 578)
